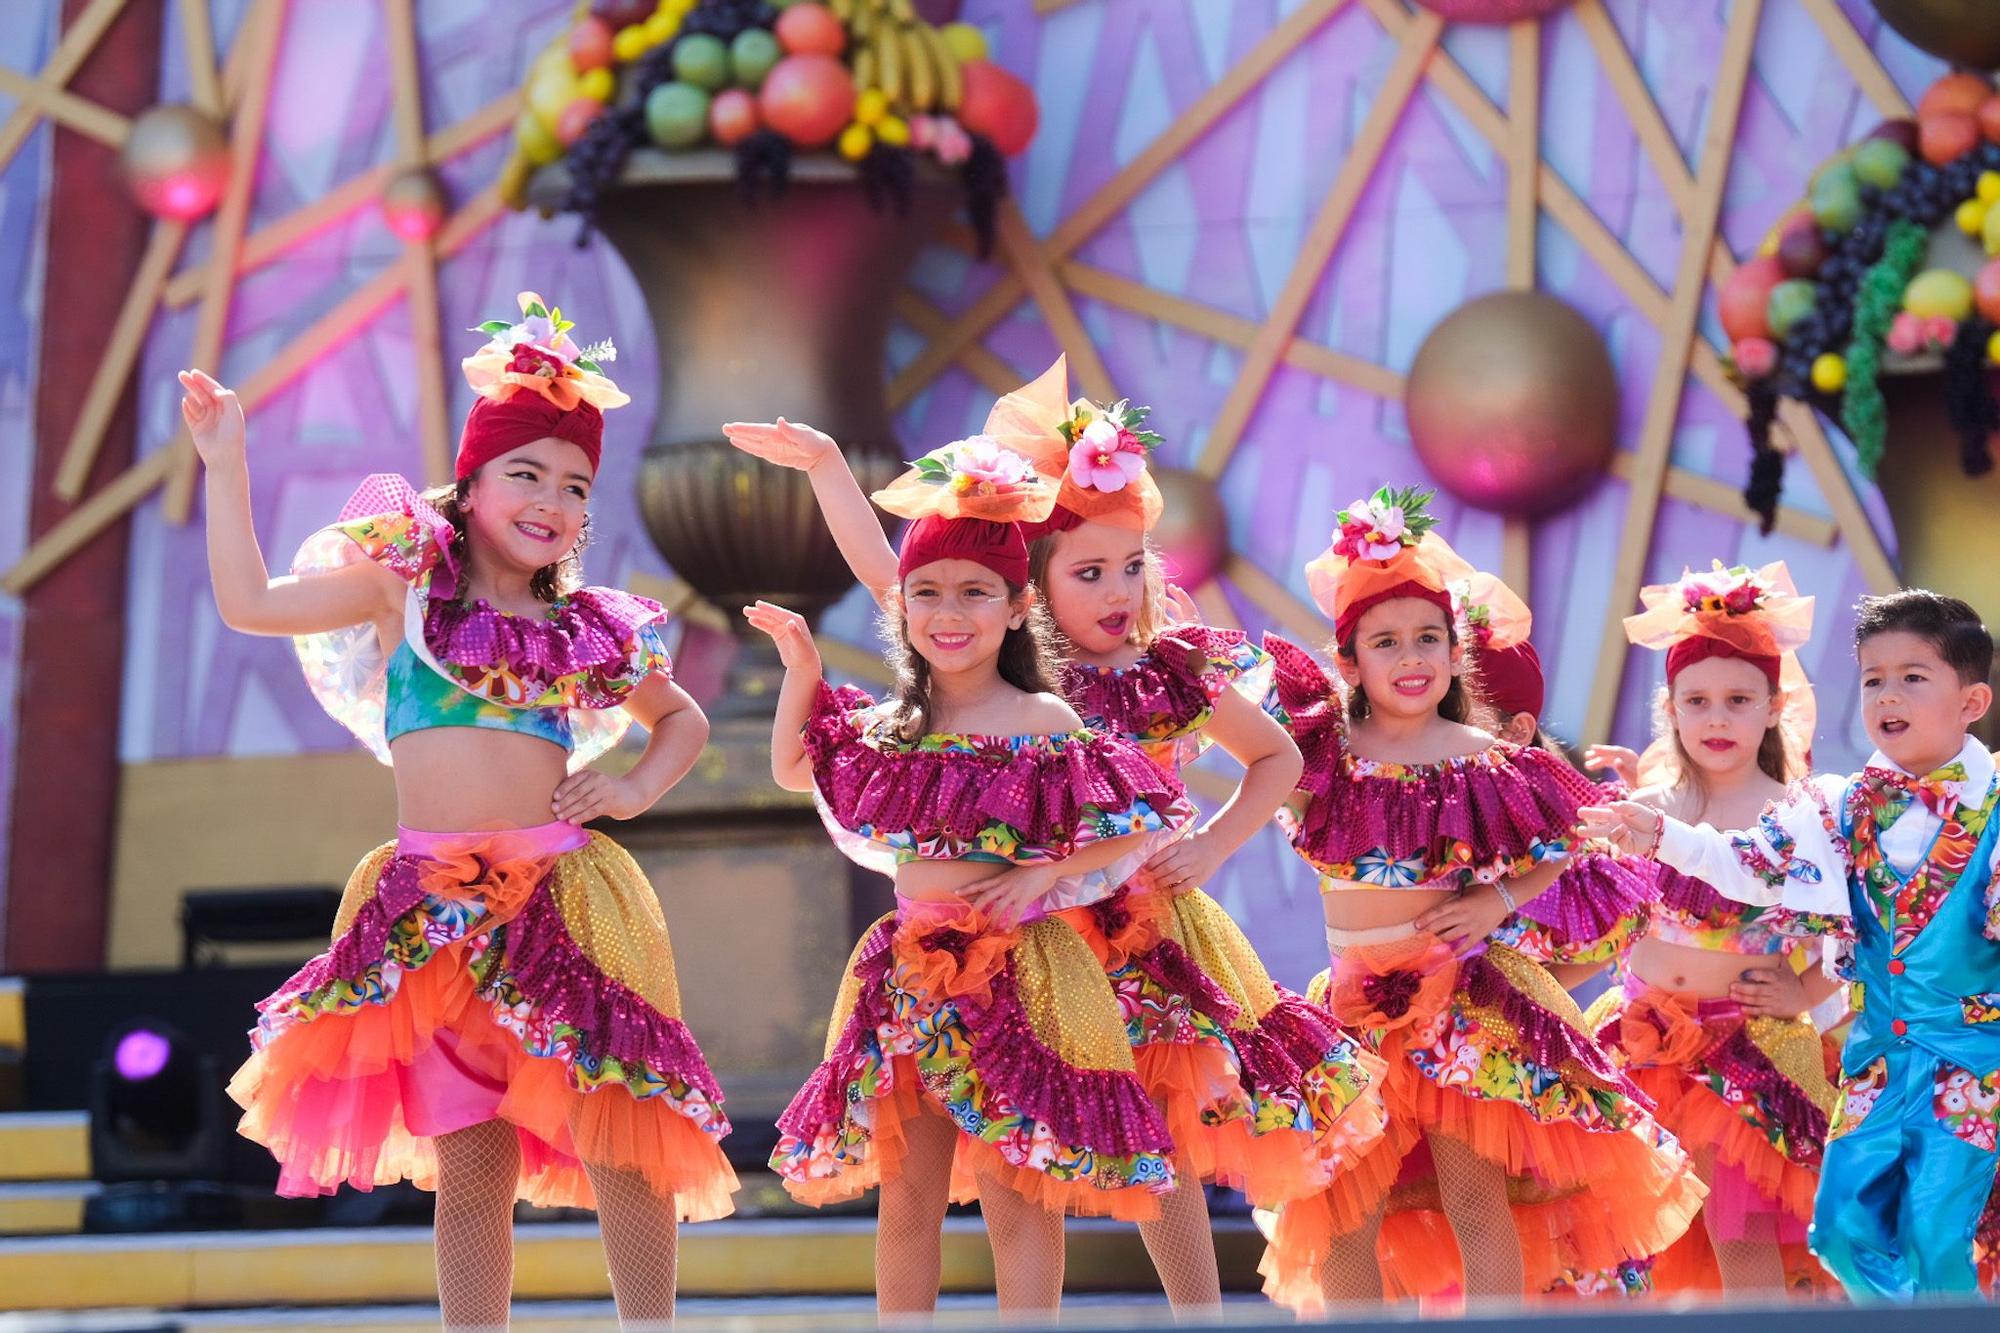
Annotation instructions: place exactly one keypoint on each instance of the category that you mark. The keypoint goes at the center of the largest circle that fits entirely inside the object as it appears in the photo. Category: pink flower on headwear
(983, 464)
(1107, 457)
(1740, 599)
(1370, 531)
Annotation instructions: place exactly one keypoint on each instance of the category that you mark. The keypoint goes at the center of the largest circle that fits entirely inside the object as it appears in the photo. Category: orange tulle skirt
(1261, 1091)
(1013, 1034)
(525, 977)
(1751, 1096)
(1490, 1052)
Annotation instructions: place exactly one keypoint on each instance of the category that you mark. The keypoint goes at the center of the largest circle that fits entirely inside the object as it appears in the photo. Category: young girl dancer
(1260, 1092)
(972, 1028)
(498, 1015)
(1710, 1020)
(1505, 1119)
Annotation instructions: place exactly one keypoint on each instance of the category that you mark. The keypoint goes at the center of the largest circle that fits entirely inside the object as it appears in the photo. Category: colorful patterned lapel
(1904, 907)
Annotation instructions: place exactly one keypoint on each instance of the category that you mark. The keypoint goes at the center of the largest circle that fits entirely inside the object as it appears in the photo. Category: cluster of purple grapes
(726, 18)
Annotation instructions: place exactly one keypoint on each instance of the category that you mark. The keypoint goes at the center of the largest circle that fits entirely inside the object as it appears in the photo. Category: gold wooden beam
(198, 36)
(1524, 212)
(1658, 142)
(1719, 497)
(1223, 327)
(995, 374)
(426, 335)
(71, 51)
(1031, 266)
(121, 353)
(1316, 248)
(1006, 293)
(65, 108)
(112, 501)
(1275, 600)
(1862, 66)
(1677, 335)
(276, 238)
(266, 26)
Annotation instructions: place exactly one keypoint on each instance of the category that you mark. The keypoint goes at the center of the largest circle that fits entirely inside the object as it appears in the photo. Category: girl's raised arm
(849, 515)
(248, 598)
(790, 767)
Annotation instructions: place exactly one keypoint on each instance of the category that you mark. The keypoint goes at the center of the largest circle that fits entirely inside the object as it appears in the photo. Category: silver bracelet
(1506, 896)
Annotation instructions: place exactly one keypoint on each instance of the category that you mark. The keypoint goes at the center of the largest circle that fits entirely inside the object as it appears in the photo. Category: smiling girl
(1505, 1119)
(1711, 1018)
(975, 1050)
(498, 1016)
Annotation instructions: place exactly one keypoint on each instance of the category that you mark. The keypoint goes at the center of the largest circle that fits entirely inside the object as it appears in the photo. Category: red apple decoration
(1986, 291)
(1755, 357)
(1954, 92)
(997, 105)
(809, 29)
(1988, 117)
(1945, 136)
(1801, 247)
(732, 116)
(807, 98)
(622, 13)
(1747, 296)
(590, 44)
(1901, 130)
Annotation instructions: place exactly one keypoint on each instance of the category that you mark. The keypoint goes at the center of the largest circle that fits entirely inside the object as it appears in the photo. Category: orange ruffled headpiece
(1383, 548)
(967, 501)
(534, 383)
(1099, 458)
(1756, 615)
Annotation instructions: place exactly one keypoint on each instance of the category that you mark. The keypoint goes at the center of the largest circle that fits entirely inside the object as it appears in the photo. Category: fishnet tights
(1181, 1242)
(1027, 1239)
(1351, 1274)
(1474, 1193)
(1746, 1265)
(641, 1244)
(910, 1217)
(477, 1171)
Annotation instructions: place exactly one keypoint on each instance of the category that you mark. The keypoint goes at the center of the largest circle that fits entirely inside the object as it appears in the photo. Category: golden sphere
(1513, 404)
(1193, 531)
(413, 204)
(176, 161)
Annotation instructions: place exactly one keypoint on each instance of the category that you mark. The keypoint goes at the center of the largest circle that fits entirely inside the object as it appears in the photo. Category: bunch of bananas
(896, 51)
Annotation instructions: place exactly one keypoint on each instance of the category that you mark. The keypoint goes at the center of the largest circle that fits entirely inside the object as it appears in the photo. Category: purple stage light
(141, 1054)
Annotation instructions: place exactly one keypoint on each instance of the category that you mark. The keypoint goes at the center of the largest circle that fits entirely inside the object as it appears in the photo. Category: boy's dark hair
(1945, 623)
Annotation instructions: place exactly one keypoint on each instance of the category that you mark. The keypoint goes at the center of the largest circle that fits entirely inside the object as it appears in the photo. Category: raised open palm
(786, 443)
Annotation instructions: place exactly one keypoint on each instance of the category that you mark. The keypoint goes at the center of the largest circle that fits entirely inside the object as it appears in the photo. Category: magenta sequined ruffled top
(587, 653)
(1369, 824)
(1162, 701)
(957, 797)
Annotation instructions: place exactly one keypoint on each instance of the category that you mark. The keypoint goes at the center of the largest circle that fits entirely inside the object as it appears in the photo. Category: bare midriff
(1688, 970)
(941, 881)
(469, 780)
(1365, 907)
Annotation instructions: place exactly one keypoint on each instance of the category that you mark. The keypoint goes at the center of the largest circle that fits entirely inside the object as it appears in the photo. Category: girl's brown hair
(549, 583)
(1148, 623)
(1026, 662)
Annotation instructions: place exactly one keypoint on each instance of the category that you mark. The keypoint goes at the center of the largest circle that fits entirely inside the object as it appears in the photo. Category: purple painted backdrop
(1219, 226)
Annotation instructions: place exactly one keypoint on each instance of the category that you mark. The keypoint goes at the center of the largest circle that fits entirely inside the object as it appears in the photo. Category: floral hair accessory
(1109, 446)
(1097, 458)
(1495, 618)
(1756, 615)
(1379, 527)
(536, 353)
(976, 477)
(1383, 548)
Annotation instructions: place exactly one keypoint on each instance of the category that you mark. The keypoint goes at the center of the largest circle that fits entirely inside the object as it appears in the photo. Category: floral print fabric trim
(1858, 1094)
(1968, 1105)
